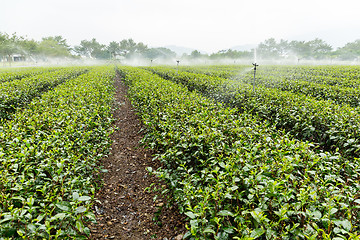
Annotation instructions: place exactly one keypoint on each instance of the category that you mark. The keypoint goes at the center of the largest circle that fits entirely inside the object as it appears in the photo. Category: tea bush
(236, 177)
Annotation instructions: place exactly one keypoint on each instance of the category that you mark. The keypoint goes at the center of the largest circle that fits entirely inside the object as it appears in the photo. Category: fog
(41, 61)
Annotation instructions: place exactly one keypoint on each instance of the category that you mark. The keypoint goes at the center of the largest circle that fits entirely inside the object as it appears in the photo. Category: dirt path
(127, 209)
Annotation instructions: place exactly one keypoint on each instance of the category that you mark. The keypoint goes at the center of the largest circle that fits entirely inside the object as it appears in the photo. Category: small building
(18, 58)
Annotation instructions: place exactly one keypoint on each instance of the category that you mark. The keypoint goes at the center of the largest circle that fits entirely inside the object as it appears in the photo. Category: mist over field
(20, 51)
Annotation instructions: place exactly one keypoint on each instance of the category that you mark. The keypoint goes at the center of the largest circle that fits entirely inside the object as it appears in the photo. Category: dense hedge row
(16, 93)
(48, 153)
(193, 81)
(339, 95)
(342, 86)
(330, 125)
(341, 76)
(238, 178)
(11, 74)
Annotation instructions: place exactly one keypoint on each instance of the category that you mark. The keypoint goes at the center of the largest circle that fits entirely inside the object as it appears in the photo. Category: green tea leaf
(257, 233)
(225, 213)
(190, 215)
(65, 206)
(84, 198)
(80, 209)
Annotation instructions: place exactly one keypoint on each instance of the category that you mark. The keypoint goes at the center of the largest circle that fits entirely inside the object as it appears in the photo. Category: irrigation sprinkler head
(177, 66)
(255, 65)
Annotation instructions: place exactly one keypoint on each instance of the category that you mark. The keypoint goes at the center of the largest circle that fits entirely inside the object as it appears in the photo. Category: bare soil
(126, 209)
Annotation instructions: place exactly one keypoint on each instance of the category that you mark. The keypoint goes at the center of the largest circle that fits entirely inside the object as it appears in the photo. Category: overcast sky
(200, 24)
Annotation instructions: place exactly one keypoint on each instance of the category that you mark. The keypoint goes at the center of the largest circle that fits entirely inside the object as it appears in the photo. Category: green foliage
(339, 84)
(336, 83)
(92, 49)
(114, 49)
(129, 47)
(232, 54)
(18, 73)
(53, 47)
(16, 93)
(47, 47)
(236, 177)
(316, 48)
(350, 51)
(331, 126)
(161, 52)
(48, 155)
(7, 46)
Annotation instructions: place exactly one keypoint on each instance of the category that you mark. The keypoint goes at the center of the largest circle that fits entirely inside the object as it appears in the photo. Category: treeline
(15, 47)
(126, 48)
(299, 50)
(314, 49)
(18, 48)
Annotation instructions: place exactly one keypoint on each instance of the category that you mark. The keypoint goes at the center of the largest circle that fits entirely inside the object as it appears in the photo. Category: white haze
(206, 25)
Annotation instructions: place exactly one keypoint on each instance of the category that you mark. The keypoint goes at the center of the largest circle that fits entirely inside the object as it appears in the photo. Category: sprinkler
(177, 70)
(255, 65)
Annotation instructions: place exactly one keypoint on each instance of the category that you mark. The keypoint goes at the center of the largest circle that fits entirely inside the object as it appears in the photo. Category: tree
(114, 49)
(195, 54)
(92, 49)
(4, 38)
(232, 54)
(164, 53)
(316, 48)
(319, 48)
(7, 46)
(29, 47)
(101, 53)
(300, 49)
(283, 47)
(129, 47)
(140, 47)
(268, 49)
(271, 49)
(84, 49)
(350, 51)
(51, 47)
(59, 40)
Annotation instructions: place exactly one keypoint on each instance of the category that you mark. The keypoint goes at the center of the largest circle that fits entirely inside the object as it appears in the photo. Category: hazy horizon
(207, 26)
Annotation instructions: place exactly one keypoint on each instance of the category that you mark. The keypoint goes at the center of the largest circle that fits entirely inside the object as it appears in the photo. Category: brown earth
(126, 209)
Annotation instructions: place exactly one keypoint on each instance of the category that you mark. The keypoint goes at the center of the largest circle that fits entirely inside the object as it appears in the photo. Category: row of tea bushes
(329, 125)
(8, 75)
(236, 177)
(296, 80)
(49, 154)
(341, 76)
(16, 93)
